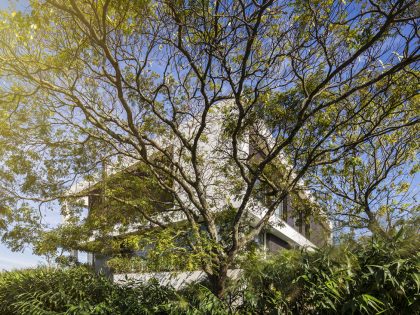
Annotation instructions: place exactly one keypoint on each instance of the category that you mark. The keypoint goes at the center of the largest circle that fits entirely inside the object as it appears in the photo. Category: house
(288, 228)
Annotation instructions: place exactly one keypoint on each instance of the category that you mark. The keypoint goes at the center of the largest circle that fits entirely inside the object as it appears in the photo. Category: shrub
(370, 276)
(75, 290)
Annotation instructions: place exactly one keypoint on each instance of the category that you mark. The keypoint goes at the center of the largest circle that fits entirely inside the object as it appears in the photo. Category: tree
(87, 82)
(372, 187)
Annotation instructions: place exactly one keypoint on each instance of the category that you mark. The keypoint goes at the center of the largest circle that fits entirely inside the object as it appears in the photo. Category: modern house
(287, 228)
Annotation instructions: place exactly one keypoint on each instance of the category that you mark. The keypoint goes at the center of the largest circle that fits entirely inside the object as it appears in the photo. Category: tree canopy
(91, 83)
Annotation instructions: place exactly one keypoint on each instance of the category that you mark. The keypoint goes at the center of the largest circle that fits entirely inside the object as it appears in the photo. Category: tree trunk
(218, 281)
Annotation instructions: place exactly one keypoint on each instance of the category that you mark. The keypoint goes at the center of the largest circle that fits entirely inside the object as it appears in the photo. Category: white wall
(177, 280)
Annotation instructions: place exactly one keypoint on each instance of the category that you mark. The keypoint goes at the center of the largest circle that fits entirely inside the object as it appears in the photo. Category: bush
(75, 290)
(371, 276)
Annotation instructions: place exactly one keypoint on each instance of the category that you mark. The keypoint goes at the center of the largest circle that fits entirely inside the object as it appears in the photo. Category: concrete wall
(176, 280)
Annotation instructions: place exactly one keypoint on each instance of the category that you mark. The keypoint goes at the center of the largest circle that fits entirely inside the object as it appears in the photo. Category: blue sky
(14, 4)
(16, 260)
(10, 260)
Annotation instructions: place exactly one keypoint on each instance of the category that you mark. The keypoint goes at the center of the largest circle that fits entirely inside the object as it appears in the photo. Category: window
(279, 212)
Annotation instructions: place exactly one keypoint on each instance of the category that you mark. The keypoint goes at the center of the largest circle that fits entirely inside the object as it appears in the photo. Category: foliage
(370, 276)
(197, 299)
(373, 188)
(93, 85)
(75, 290)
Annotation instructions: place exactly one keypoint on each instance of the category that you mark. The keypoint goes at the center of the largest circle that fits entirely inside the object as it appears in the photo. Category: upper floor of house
(129, 184)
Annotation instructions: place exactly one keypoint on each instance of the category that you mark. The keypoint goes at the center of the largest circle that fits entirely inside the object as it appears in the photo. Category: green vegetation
(323, 93)
(370, 276)
(75, 290)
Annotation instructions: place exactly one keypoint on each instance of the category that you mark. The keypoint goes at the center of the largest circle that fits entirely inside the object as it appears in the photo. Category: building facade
(287, 228)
